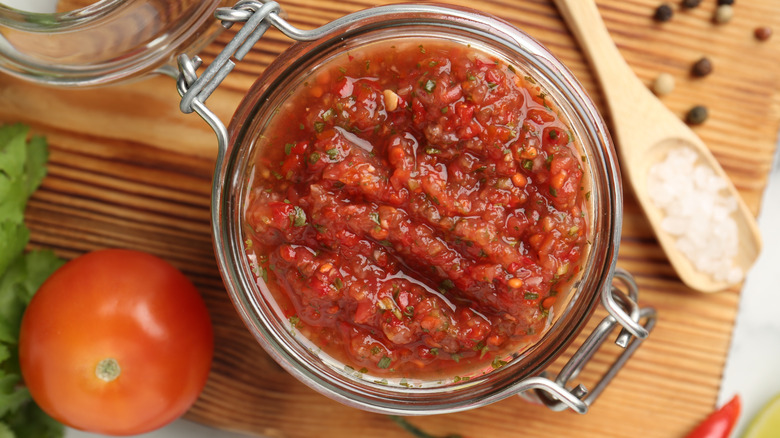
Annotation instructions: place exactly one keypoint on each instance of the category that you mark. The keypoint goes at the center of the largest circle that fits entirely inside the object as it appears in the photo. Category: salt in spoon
(646, 131)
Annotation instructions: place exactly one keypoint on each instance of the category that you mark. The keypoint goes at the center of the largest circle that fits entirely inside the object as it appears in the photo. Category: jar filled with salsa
(418, 208)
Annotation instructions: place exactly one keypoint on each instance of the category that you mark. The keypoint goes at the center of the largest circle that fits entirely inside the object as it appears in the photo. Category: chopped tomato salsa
(416, 209)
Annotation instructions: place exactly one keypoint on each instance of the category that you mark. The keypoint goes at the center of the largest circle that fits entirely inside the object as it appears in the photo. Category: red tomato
(116, 342)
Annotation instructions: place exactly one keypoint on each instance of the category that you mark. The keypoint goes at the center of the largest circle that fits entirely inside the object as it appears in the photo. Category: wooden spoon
(645, 131)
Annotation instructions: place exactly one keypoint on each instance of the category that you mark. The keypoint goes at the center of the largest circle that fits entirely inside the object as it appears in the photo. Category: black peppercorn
(690, 4)
(697, 115)
(702, 68)
(725, 2)
(663, 13)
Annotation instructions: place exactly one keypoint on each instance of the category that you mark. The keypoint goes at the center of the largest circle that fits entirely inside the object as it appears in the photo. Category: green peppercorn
(663, 13)
(697, 115)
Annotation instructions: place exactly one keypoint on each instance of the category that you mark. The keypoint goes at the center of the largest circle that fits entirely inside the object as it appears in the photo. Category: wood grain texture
(128, 170)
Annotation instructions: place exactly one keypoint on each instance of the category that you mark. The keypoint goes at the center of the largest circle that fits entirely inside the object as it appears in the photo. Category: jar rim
(54, 21)
(229, 243)
(106, 42)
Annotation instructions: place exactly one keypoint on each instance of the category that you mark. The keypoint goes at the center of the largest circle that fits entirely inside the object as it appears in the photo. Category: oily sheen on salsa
(417, 208)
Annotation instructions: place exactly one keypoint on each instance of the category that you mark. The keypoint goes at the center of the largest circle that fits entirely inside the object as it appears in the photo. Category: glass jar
(105, 42)
(597, 282)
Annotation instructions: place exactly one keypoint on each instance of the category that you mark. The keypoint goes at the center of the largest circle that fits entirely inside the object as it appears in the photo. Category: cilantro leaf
(22, 168)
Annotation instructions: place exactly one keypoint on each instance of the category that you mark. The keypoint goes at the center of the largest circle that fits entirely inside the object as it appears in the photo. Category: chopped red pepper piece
(719, 423)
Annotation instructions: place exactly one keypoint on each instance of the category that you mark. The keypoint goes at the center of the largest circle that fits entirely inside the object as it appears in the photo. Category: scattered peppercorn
(690, 4)
(663, 13)
(763, 33)
(723, 14)
(663, 84)
(702, 68)
(697, 115)
(725, 2)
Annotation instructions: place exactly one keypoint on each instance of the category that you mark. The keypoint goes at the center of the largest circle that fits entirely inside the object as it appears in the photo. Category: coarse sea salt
(697, 213)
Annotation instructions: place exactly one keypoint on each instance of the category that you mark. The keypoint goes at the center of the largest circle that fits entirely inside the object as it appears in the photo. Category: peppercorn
(725, 2)
(690, 4)
(701, 68)
(663, 84)
(697, 115)
(723, 14)
(763, 33)
(663, 13)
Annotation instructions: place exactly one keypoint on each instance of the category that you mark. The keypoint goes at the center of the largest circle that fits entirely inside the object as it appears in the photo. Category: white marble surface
(753, 364)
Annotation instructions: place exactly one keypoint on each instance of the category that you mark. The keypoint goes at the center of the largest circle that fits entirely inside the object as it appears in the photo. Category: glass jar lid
(104, 42)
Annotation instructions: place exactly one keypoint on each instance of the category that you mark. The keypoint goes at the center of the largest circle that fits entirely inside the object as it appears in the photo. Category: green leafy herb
(22, 168)
(288, 148)
(337, 283)
(528, 165)
(319, 126)
(333, 153)
(416, 431)
(429, 85)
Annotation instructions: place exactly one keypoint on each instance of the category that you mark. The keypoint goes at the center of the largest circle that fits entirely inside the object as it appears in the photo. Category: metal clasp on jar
(636, 323)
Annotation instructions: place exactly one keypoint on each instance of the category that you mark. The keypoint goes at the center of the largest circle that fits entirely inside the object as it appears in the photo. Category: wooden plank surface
(128, 170)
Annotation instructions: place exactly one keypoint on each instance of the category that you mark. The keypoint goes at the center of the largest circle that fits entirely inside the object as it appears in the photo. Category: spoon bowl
(646, 131)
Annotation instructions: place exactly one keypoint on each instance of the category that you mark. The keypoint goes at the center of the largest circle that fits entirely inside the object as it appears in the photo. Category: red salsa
(416, 208)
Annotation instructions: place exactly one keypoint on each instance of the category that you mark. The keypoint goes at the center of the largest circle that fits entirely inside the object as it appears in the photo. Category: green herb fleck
(446, 285)
(298, 217)
(333, 153)
(384, 362)
(319, 126)
(528, 165)
(337, 283)
(531, 296)
(288, 148)
(429, 85)
(314, 157)
(498, 363)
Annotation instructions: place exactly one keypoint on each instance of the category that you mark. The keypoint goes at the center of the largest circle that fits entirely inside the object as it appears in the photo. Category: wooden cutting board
(129, 170)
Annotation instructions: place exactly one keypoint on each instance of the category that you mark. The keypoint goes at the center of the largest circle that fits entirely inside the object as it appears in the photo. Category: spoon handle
(614, 74)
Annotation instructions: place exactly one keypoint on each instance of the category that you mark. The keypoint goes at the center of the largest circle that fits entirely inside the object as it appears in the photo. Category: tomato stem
(108, 369)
